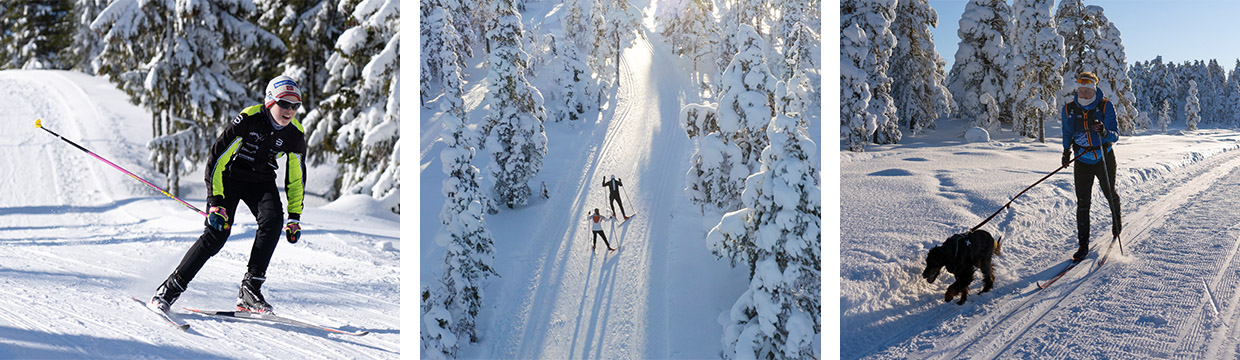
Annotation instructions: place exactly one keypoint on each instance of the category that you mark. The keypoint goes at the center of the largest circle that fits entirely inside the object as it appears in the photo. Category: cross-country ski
(273, 318)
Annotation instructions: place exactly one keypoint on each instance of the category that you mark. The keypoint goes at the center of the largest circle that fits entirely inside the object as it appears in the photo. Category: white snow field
(79, 238)
(1174, 295)
(661, 294)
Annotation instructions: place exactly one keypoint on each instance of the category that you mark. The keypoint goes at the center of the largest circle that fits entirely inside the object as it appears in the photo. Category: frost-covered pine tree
(1038, 62)
(690, 27)
(797, 39)
(778, 236)
(1164, 115)
(438, 340)
(86, 43)
(310, 29)
(36, 33)
(470, 250)
(1080, 31)
(515, 133)
(917, 69)
(857, 125)
(875, 18)
(716, 176)
(1212, 93)
(615, 25)
(1192, 107)
(440, 42)
(358, 122)
(576, 23)
(182, 73)
(574, 85)
(1112, 72)
(982, 65)
(748, 101)
(1232, 92)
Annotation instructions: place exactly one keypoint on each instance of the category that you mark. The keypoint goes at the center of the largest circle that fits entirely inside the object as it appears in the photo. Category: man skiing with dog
(1090, 132)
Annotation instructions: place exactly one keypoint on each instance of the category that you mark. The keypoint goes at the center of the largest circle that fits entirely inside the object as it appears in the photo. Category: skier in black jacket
(242, 169)
(614, 195)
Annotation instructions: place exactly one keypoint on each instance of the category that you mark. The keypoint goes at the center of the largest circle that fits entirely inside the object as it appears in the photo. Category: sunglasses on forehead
(289, 105)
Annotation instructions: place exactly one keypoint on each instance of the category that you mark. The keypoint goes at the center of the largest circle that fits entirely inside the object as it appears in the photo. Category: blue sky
(1177, 30)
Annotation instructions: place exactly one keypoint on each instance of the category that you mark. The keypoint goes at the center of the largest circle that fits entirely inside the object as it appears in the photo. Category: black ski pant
(598, 233)
(1084, 175)
(263, 199)
(615, 198)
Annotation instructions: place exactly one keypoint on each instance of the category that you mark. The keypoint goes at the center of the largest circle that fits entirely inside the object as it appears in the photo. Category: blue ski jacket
(1089, 145)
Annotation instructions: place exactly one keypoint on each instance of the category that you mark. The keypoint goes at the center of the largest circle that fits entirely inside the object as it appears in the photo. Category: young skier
(614, 195)
(1090, 129)
(242, 168)
(597, 220)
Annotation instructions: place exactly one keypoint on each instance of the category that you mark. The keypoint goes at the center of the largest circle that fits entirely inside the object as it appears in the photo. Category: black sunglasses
(288, 104)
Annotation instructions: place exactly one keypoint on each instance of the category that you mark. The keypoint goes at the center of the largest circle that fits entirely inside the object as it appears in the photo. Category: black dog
(960, 254)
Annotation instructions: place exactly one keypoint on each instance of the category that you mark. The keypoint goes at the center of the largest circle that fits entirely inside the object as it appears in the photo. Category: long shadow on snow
(861, 328)
(67, 209)
(296, 329)
(76, 279)
(31, 344)
(556, 256)
(603, 293)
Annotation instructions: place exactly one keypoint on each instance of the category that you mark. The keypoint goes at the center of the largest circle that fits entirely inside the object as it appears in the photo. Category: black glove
(1067, 157)
(1096, 126)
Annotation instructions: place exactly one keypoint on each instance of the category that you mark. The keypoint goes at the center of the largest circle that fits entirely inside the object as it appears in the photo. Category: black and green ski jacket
(247, 151)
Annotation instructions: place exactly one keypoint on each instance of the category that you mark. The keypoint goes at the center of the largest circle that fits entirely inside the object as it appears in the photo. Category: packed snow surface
(1173, 294)
(79, 238)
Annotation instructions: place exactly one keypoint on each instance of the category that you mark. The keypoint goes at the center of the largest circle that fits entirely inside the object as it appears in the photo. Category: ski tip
(183, 327)
(38, 123)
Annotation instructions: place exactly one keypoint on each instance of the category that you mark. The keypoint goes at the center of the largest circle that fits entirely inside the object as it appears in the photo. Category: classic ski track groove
(1149, 217)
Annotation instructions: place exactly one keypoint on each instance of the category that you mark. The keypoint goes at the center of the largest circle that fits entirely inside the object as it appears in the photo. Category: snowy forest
(195, 64)
(1013, 70)
(502, 82)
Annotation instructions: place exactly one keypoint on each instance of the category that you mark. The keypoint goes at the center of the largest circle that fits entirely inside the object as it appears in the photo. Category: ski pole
(1022, 192)
(39, 124)
(1110, 201)
(626, 198)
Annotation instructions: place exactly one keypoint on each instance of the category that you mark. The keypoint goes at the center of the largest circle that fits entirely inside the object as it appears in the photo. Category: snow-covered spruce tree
(615, 25)
(917, 69)
(1113, 76)
(690, 28)
(875, 17)
(1232, 92)
(181, 74)
(514, 127)
(1038, 62)
(857, 125)
(1164, 115)
(310, 29)
(748, 100)
(796, 40)
(574, 84)
(1080, 31)
(982, 64)
(438, 340)
(359, 122)
(36, 33)
(576, 23)
(1192, 107)
(778, 235)
(470, 250)
(439, 50)
(86, 43)
(716, 175)
(1212, 105)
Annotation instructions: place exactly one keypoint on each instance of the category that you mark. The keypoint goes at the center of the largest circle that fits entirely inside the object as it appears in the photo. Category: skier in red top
(597, 220)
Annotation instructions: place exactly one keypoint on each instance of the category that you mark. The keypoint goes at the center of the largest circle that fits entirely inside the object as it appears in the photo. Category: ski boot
(1081, 253)
(250, 297)
(167, 293)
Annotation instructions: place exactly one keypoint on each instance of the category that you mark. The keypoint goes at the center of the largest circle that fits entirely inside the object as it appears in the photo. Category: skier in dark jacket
(242, 169)
(613, 195)
(1090, 131)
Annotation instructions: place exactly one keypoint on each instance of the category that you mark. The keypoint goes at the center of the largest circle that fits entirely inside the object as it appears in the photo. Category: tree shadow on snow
(17, 343)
